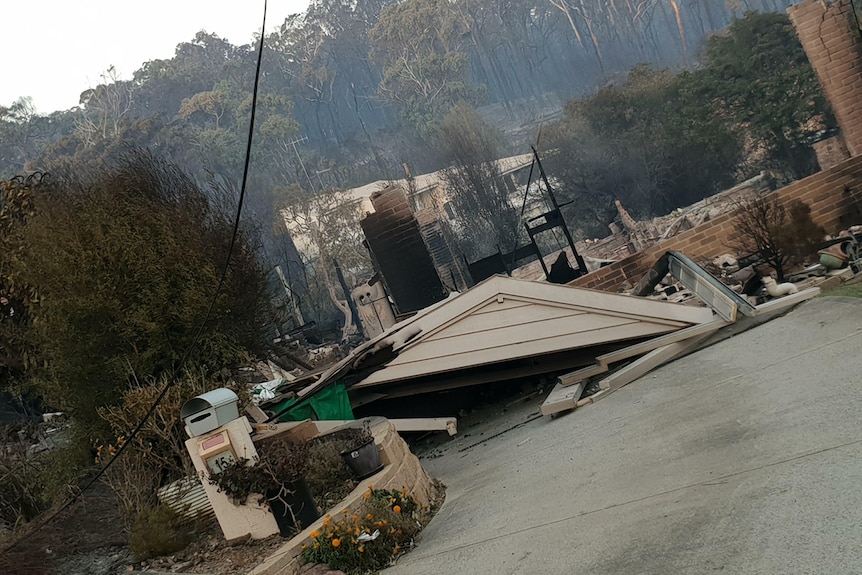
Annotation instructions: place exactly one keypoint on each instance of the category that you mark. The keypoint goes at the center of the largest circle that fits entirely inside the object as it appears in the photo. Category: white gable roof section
(504, 318)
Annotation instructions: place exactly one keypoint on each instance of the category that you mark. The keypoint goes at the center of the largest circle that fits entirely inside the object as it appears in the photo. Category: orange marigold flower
(361, 549)
(344, 511)
(367, 495)
(356, 517)
(314, 534)
(397, 509)
(336, 542)
(326, 522)
(369, 517)
(370, 487)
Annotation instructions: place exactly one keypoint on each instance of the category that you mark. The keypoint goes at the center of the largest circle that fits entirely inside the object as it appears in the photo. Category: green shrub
(370, 539)
(31, 482)
(159, 531)
(22, 492)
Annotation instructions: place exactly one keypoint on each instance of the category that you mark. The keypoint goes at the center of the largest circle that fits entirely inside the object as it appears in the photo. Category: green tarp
(330, 403)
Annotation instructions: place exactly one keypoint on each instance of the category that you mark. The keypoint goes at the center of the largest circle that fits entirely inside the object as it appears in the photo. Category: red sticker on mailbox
(208, 444)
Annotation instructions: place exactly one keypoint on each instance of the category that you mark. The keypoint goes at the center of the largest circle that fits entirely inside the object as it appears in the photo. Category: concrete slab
(745, 457)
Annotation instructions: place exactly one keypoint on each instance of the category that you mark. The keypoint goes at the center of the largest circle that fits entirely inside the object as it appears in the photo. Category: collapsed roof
(501, 329)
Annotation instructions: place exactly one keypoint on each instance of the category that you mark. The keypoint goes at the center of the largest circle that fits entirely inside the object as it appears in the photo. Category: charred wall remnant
(441, 247)
(831, 38)
(400, 253)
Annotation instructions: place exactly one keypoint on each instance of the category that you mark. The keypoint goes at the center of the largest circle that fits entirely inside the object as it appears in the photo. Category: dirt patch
(211, 554)
(86, 539)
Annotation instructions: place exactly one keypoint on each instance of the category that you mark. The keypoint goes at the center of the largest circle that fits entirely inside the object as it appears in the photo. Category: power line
(203, 324)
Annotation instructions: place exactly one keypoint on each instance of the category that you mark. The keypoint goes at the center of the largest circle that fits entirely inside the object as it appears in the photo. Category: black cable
(203, 324)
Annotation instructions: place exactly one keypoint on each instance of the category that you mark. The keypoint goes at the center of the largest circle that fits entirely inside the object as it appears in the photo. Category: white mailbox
(210, 411)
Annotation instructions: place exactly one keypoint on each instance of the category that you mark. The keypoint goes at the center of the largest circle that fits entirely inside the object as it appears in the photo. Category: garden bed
(402, 472)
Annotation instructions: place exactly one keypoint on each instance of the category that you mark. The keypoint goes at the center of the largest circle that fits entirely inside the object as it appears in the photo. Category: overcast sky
(52, 50)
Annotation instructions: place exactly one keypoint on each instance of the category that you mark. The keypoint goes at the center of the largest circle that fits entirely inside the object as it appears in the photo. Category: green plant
(847, 290)
(123, 260)
(31, 482)
(327, 476)
(399, 501)
(159, 531)
(22, 494)
(371, 538)
(350, 437)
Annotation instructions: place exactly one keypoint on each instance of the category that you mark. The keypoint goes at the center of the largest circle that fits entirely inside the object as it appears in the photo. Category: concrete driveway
(745, 457)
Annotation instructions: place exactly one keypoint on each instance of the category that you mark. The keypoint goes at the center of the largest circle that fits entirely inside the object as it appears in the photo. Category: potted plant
(362, 454)
(277, 476)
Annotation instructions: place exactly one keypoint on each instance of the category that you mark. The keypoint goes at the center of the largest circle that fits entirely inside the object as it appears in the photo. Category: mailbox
(210, 411)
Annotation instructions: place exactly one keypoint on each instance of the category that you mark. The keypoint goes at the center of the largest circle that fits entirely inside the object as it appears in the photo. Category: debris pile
(505, 329)
(629, 236)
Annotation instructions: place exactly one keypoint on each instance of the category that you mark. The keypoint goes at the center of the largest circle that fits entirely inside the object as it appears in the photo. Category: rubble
(630, 236)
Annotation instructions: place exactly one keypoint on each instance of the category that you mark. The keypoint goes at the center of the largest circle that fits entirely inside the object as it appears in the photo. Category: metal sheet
(188, 498)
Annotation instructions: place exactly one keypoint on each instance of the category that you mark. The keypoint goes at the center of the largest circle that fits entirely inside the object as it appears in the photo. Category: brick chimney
(831, 38)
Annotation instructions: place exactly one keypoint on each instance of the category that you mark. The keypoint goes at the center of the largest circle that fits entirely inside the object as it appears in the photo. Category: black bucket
(364, 460)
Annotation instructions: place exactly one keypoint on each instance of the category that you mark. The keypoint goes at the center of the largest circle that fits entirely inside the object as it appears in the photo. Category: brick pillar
(400, 253)
(831, 39)
(831, 152)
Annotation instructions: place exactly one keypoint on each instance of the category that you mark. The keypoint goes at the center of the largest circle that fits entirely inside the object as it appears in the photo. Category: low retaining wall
(831, 194)
(401, 469)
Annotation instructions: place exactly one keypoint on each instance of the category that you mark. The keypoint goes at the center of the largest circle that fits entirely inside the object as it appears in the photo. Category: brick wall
(400, 253)
(831, 195)
(831, 39)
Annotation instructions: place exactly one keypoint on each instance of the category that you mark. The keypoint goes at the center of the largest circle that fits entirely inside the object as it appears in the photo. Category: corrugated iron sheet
(188, 498)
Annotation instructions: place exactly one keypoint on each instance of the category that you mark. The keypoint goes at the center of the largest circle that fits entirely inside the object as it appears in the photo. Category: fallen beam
(787, 301)
(599, 395)
(582, 374)
(649, 362)
(448, 424)
(563, 398)
(662, 341)
(570, 386)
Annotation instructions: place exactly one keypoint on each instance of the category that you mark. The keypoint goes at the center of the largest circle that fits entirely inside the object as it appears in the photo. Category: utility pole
(293, 143)
(319, 181)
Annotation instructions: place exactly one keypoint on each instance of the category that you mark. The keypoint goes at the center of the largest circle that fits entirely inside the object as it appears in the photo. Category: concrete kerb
(402, 469)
